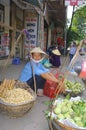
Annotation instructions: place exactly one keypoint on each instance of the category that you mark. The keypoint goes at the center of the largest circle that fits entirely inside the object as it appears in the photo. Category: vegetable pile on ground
(74, 87)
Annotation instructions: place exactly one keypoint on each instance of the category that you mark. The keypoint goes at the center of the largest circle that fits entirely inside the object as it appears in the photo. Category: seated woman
(56, 58)
(40, 72)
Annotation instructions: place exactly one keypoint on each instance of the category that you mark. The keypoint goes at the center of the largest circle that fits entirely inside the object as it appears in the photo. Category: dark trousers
(39, 82)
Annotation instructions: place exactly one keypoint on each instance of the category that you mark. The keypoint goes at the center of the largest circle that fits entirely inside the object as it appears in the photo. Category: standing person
(49, 51)
(82, 51)
(72, 50)
(40, 72)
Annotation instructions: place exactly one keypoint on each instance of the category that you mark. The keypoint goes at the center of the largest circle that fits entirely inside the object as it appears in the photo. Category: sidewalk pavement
(35, 119)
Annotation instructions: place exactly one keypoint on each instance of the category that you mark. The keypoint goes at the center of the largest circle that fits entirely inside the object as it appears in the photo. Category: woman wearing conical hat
(40, 72)
(56, 57)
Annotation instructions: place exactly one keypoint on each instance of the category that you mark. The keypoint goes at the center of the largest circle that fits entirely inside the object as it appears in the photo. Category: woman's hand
(49, 76)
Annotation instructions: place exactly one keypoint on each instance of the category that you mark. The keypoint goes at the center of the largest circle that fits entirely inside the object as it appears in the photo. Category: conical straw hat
(56, 52)
(37, 50)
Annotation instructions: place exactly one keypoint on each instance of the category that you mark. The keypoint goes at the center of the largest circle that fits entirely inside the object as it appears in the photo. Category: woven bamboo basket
(56, 125)
(13, 110)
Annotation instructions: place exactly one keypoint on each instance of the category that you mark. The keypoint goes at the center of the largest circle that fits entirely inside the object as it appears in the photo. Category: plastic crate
(16, 61)
(50, 88)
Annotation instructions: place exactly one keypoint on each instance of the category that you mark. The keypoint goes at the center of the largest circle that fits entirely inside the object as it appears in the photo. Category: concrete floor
(35, 119)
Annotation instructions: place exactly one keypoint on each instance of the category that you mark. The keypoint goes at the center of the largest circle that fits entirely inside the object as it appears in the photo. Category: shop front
(4, 29)
(29, 28)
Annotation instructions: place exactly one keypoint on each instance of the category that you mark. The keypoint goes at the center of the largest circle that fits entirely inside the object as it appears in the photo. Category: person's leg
(71, 56)
(39, 82)
(30, 82)
(40, 85)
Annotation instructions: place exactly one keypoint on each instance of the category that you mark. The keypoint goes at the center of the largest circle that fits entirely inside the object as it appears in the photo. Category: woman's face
(37, 56)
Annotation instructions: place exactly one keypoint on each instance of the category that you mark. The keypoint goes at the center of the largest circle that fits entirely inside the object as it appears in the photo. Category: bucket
(16, 61)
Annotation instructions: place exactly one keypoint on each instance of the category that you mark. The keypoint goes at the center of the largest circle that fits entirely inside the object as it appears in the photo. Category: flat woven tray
(13, 110)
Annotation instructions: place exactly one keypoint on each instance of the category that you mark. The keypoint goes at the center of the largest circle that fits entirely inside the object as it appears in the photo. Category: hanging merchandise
(27, 40)
(26, 32)
(5, 43)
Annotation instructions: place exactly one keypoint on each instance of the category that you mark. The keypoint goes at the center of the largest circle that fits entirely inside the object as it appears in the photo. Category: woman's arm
(49, 76)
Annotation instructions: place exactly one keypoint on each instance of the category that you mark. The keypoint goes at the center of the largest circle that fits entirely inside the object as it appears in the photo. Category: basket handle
(60, 87)
(50, 125)
(35, 88)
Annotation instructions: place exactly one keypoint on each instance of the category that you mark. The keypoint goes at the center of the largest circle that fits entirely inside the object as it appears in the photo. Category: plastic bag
(79, 67)
(46, 63)
(78, 63)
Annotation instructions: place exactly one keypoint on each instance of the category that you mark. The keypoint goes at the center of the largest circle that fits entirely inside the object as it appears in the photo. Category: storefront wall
(19, 28)
(47, 29)
(21, 19)
(17, 22)
(4, 28)
(34, 23)
(31, 24)
(38, 31)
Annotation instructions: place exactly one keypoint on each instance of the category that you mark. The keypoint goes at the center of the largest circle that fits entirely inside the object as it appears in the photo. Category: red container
(50, 88)
(83, 71)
